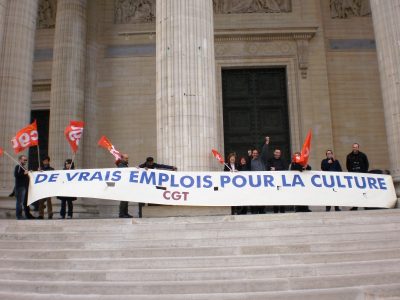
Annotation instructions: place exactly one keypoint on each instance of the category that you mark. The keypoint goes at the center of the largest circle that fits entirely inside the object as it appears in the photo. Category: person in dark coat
(331, 164)
(123, 162)
(243, 164)
(46, 202)
(150, 164)
(21, 188)
(67, 201)
(277, 163)
(357, 162)
(258, 163)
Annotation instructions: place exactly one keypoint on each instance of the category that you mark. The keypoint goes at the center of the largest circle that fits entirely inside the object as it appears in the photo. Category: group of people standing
(67, 206)
(356, 161)
(21, 191)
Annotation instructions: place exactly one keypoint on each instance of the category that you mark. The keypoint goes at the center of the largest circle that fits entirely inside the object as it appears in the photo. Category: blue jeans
(21, 195)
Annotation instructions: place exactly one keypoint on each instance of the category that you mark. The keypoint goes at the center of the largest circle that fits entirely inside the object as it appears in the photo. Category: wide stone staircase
(335, 255)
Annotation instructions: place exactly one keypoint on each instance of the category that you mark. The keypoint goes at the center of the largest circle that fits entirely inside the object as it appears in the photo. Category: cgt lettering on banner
(176, 195)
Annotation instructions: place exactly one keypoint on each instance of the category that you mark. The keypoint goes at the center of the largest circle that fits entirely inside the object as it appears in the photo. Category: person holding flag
(123, 205)
(332, 165)
(25, 138)
(21, 188)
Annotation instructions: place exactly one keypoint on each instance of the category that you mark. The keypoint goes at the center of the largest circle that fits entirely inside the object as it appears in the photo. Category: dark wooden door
(255, 106)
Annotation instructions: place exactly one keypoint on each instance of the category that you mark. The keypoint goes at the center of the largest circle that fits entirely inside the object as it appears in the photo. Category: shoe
(308, 210)
(354, 208)
(126, 216)
(20, 218)
(338, 209)
(30, 217)
(40, 218)
(50, 217)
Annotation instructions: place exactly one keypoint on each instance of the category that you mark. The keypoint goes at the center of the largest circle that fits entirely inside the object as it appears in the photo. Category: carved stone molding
(46, 14)
(344, 9)
(251, 6)
(301, 36)
(134, 11)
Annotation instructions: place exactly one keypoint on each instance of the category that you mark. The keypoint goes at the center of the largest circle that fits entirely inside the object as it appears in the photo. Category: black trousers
(280, 208)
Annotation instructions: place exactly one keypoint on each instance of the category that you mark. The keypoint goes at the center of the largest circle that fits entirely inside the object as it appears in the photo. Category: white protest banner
(217, 188)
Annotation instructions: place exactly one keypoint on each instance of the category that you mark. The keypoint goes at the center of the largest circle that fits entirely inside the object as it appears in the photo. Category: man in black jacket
(277, 163)
(123, 205)
(21, 188)
(150, 164)
(357, 162)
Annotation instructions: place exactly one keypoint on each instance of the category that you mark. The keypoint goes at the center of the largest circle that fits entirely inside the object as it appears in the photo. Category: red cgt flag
(305, 151)
(25, 138)
(105, 143)
(1, 151)
(73, 133)
(218, 156)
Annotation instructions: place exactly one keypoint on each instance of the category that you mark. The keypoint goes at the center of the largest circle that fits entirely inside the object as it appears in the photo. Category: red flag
(1, 151)
(105, 143)
(218, 156)
(25, 138)
(305, 151)
(73, 133)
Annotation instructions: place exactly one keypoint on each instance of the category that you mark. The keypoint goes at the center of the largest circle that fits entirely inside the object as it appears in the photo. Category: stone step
(131, 252)
(151, 263)
(384, 291)
(198, 233)
(282, 239)
(114, 274)
(219, 222)
(198, 287)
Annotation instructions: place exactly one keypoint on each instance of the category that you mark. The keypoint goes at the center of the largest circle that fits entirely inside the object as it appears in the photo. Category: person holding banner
(232, 166)
(259, 163)
(46, 167)
(68, 165)
(332, 165)
(357, 161)
(294, 166)
(123, 205)
(21, 188)
(277, 163)
(150, 164)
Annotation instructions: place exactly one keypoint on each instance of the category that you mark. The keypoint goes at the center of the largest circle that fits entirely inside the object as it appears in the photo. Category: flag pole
(72, 160)
(228, 167)
(38, 153)
(13, 159)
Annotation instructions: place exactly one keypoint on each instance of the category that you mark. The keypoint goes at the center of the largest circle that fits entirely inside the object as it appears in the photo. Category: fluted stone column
(3, 7)
(15, 77)
(186, 96)
(68, 77)
(386, 19)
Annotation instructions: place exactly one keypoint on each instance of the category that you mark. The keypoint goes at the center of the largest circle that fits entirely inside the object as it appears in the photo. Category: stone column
(186, 96)
(68, 77)
(3, 7)
(15, 77)
(385, 15)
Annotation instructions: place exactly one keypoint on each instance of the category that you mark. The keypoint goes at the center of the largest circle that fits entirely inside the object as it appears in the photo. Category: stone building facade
(173, 79)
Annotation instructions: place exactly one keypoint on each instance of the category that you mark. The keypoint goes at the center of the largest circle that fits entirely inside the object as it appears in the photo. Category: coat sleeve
(348, 163)
(161, 166)
(264, 153)
(339, 167)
